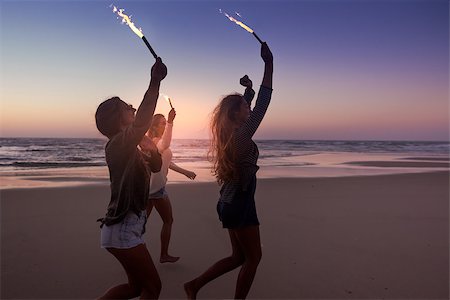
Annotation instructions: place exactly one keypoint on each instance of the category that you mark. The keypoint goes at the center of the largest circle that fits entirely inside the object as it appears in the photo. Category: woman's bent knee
(254, 258)
(238, 259)
(168, 221)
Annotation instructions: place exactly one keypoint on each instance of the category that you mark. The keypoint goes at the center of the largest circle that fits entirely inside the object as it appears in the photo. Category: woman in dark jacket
(125, 219)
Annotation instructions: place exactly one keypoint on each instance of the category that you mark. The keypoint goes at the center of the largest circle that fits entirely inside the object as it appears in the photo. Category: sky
(343, 69)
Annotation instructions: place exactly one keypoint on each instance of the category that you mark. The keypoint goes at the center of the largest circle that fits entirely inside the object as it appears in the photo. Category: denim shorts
(126, 234)
(162, 193)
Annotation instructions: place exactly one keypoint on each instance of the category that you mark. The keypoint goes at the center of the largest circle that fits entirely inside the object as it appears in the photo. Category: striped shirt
(247, 151)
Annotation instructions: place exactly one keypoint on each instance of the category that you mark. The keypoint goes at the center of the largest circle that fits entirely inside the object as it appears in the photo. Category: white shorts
(126, 234)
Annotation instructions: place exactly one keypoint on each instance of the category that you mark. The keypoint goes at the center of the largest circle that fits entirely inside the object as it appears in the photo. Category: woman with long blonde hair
(234, 156)
(160, 134)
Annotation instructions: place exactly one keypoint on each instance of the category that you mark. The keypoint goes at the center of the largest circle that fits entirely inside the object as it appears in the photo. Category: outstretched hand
(171, 116)
(266, 54)
(191, 175)
(245, 81)
(159, 70)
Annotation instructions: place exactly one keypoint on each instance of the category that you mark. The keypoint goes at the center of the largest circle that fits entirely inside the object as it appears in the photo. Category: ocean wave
(77, 158)
(39, 150)
(287, 164)
(74, 152)
(5, 159)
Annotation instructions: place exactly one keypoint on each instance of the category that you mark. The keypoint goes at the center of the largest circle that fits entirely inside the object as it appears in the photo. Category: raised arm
(267, 57)
(249, 128)
(166, 138)
(146, 109)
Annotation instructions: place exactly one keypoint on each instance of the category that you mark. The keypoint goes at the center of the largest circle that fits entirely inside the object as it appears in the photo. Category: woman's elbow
(158, 165)
(155, 169)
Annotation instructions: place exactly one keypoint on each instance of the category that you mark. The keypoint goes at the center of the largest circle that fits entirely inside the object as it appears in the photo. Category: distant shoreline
(319, 166)
(73, 161)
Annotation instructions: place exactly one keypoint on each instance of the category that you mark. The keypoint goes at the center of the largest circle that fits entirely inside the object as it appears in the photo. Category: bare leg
(143, 278)
(250, 243)
(149, 207)
(121, 291)
(164, 208)
(219, 268)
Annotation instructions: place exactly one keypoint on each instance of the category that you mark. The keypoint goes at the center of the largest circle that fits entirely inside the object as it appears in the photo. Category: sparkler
(248, 29)
(167, 99)
(127, 19)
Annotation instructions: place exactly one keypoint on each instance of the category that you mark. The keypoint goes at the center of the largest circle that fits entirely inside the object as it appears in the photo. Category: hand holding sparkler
(159, 70)
(171, 116)
(170, 102)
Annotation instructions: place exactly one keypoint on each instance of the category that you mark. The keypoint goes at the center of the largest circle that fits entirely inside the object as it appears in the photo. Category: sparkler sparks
(127, 19)
(248, 29)
(138, 31)
(167, 99)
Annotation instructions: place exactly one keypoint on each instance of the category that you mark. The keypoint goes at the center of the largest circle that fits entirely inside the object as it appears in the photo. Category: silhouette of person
(160, 134)
(124, 224)
(234, 156)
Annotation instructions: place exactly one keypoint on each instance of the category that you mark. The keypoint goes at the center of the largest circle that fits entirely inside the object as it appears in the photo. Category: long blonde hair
(222, 151)
(152, 132)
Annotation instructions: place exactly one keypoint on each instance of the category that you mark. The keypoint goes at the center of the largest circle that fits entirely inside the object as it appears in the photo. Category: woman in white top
(160, 133)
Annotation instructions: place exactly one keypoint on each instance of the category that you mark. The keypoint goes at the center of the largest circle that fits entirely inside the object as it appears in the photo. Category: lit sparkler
(127, 19)
(167, 99)
(248, 29)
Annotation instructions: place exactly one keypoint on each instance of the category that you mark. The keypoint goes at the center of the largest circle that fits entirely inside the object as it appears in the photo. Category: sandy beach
(356, 237)
(346, 104)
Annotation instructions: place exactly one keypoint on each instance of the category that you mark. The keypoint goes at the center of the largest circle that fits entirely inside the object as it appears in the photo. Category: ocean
(48, 153)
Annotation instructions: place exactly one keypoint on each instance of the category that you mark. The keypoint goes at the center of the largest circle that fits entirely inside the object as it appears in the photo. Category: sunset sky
(364, 70)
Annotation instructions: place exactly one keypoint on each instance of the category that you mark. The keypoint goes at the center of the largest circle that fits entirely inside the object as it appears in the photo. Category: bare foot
(189, 288)
(168, 258)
